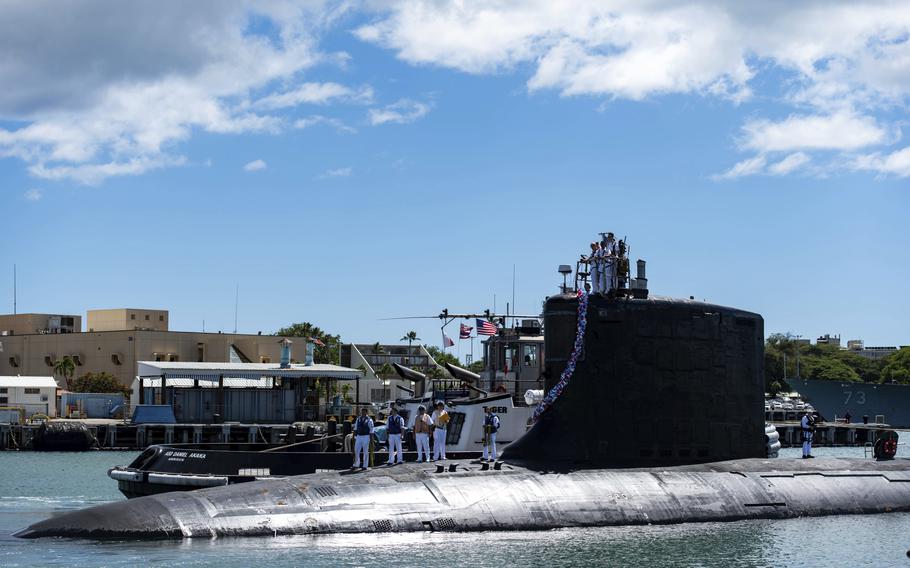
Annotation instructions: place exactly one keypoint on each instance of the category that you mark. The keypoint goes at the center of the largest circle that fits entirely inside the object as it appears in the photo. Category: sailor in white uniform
(440, 420)
(594, 261)
(608, 263)
(422, 424)
(807, 425)
(395, 426)
(490, 427)
(363, 434)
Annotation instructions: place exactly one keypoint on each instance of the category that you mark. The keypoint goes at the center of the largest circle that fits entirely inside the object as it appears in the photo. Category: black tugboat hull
(186, 467)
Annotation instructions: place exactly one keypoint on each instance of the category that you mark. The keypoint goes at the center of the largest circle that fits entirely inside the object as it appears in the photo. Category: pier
(831, 434)
(117, 435)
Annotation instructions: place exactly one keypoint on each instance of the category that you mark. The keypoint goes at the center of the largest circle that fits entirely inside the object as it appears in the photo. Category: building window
(132, 316)
(3, 400)
(146, 317)
(4, 390)
(160, 318)
(32, 391)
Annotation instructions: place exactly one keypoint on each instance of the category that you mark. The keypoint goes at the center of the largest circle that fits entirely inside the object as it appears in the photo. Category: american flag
(316, 341)
(485, 327)
(465, 332)
(447, 341)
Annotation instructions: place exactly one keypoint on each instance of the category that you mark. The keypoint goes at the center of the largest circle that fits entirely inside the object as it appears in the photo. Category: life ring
(885, 447)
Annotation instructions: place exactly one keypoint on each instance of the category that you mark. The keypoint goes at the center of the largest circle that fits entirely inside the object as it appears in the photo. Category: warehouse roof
(30, 382)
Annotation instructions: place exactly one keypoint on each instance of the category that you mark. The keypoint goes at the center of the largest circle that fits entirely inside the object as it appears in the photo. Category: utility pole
(14, 289)
(236, 303)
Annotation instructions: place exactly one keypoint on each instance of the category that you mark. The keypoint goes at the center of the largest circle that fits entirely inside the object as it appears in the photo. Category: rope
(567, 373)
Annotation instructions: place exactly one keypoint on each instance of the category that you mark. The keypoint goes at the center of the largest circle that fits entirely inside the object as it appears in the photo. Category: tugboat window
(456, 423)
(529, 353)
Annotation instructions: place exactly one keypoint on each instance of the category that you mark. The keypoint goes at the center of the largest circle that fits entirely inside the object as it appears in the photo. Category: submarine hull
(412, 498)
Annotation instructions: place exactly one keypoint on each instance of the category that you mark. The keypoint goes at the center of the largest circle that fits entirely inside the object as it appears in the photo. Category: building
(250, 393)
(828, 339)
(126, 318)
(28, 395)
(875, 353)
(118, 341)
(380, 383)
(24, 324)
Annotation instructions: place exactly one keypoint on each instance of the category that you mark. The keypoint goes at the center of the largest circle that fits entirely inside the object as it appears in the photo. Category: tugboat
(622, 437)
(184, 467)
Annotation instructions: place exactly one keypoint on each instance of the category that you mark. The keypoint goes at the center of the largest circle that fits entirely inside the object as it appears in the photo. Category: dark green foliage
(896, 367)
(826, 362)
(442, 357)
(99, 382)
(327, 353)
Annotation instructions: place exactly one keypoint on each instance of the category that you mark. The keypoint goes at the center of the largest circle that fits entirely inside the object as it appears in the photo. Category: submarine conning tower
(659, 381)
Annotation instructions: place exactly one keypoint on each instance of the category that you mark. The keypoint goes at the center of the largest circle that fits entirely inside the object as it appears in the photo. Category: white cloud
(789, 164)
(747, 167)
(317, 119)
(34, 194)
(896, 163)
(401, 112)
(314, 93)
(255, 166)
(840, 62)
(841, 131)
(622, 48)
(95, 173)
(113, 95)
(336, 173)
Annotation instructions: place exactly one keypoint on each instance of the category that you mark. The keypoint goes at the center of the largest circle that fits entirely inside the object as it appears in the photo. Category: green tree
(327, 353)
(477, 366)
(441, 356)
(378, 349)
(345, 392)
(829, 369)
(386, 372)
(66, 368)
(410, 337)
(896, 367)
(99, 382)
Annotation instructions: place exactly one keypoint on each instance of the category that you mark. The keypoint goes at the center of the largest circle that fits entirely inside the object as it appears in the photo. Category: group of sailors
(602, 262)
(425, 425)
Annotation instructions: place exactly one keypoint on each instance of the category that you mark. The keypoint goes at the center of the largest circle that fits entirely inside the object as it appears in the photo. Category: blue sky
(343, 163)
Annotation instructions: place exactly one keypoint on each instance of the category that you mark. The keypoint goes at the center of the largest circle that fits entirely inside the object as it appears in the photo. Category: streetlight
(797, 356)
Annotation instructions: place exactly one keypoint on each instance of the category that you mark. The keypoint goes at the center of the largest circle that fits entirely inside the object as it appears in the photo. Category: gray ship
(889, 402)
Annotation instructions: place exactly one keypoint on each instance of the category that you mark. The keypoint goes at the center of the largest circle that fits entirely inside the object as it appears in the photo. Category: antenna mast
(14, 289)
(236, 303)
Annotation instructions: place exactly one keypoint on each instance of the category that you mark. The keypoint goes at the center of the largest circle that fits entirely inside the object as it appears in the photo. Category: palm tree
(410, 337)
(65, 367)
(385, 372)
(378, 349)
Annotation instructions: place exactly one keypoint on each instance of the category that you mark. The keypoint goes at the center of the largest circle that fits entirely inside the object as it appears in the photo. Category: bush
(99, 382)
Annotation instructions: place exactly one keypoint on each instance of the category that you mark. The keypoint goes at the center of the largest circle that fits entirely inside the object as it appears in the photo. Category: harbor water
(34, 486)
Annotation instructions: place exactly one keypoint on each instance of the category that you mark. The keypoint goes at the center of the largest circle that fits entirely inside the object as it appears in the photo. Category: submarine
(653, 414)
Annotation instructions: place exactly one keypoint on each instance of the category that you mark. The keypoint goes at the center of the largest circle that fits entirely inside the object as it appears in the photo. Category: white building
(31, 395)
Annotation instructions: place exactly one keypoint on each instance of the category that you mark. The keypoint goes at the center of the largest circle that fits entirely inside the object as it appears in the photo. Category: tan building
(22, 324)
(126, 318)
(118, 352)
